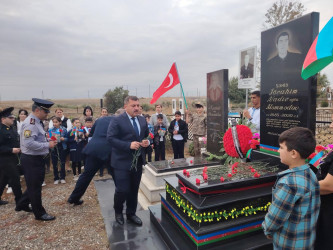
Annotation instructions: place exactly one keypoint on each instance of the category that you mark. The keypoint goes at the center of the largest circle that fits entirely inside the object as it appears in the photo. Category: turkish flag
(171, 80)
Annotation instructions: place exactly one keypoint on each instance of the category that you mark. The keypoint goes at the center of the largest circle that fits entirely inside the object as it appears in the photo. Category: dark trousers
(34, 172)
(148, 152)
(9, 173)
(127, 186)
(107, 166)
(178, 149)
(58, 154)
(76, 165)
(91, 166)
(160, 151)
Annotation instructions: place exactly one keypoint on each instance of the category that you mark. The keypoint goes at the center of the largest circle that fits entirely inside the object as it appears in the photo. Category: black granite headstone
(217, 108)
(286, 99)
(180, 164)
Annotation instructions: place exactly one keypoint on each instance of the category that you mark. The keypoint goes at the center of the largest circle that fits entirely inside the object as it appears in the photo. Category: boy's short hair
(299, 139)
(88, 119)
(74, 119)
(178, 113)
(160, 116)
(147, 116)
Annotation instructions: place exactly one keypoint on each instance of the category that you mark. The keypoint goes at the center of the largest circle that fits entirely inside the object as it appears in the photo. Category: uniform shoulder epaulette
(32, 121)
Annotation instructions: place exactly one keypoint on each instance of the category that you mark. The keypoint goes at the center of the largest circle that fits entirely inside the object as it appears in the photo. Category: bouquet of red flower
(137, 153)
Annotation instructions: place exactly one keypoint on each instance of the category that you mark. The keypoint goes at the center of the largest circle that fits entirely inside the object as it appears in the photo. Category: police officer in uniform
(199, 123)
(9, 149)
(35, 148)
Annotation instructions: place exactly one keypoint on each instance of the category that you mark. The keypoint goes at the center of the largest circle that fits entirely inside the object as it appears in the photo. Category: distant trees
(322, 84)
(114, 99)
(283, 11)
(236, 95)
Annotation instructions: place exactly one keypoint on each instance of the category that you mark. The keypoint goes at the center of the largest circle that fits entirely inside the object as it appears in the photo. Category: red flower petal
(184, 171)
(197, 181)
(222, 179)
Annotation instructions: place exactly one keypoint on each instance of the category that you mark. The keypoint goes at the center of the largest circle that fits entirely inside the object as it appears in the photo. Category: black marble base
(214, 184)
(175, 237)
(180, 164)
(201, 202)
(128, 236)
(273, 160)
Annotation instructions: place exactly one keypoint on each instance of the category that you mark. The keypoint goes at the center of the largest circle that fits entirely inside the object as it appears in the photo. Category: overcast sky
(80, 48)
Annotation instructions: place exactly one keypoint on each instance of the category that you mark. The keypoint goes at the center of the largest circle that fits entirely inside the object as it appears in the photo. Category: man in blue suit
(127, 133)
(97, 153)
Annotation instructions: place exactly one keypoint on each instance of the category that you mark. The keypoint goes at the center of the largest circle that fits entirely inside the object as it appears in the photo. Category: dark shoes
(45, 217)
(135, 220)
(26, 209)
(3, 202)
(120, 219)
(76, 203)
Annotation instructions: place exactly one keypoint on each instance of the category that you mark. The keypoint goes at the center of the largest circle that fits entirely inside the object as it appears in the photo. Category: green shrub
(191, 149)
(324, 104)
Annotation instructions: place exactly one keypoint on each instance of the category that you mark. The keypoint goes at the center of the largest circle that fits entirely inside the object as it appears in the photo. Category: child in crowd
(149, 149)
(292, 217)
(159, 139)
(58, 154)
(178, 130)
(88, 125)
(76, 143)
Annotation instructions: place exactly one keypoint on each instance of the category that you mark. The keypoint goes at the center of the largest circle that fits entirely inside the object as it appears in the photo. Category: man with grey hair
(127, 133)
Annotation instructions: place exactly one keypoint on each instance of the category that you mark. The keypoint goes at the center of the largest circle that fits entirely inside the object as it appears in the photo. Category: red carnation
(151, 135)
(244, 136)
(188, 174)
(184, 171)
(222, 179)
(229, 175)
(53, 138)
(256, 175)
(197, 181)
(253, 170)
(191, 161)
(205, 169)
(320, 148)
(60, 130)
(205, 177)
(312, 155)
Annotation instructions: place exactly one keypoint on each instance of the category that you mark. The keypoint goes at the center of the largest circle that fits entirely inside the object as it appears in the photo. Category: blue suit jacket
(120, 134)
(99, 146)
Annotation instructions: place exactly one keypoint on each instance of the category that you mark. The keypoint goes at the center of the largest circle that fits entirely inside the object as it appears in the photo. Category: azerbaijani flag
(320, 53)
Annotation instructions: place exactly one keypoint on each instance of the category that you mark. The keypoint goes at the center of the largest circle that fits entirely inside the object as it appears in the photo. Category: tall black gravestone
(286, 99)
(217, 108)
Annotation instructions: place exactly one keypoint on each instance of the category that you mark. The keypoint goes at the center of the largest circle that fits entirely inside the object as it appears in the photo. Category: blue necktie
(135, 126)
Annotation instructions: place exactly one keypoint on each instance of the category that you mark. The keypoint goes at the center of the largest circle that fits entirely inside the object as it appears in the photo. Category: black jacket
(183, 129)
(9, 139)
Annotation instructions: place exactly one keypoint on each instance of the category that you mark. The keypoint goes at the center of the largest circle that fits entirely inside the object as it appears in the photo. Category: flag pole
(181, 86)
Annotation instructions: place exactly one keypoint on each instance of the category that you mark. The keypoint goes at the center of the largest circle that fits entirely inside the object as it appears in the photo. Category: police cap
(44, 104)
(7, 112)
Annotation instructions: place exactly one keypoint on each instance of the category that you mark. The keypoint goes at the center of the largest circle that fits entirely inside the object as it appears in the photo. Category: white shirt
(69, 124)
(255, 118)
(177, 137)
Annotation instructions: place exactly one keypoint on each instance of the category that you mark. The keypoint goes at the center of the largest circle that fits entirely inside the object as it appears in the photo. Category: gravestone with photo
(286, 99)
(217, 108)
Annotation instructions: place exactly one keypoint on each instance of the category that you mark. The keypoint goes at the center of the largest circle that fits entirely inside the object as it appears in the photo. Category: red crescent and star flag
(320, 53)
(171, 80)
